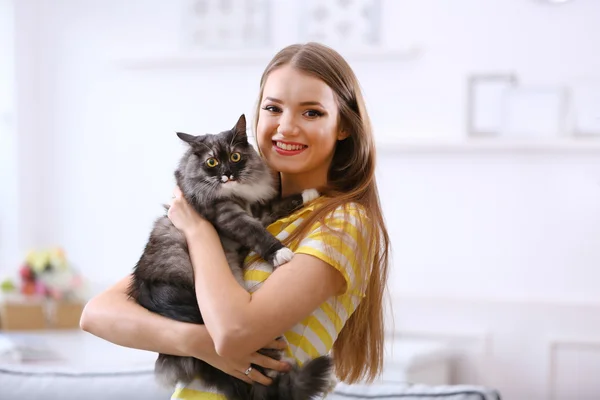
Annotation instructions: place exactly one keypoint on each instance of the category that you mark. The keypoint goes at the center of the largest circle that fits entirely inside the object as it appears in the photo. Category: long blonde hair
(358, 350)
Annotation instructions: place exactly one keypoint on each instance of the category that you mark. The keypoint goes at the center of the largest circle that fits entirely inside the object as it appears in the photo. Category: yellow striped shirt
(338, 242)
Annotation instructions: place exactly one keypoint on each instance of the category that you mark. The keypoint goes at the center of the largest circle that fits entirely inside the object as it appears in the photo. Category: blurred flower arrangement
(47, 274)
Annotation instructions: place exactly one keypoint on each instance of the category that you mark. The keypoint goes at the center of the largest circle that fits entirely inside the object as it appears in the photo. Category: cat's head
(224, 165)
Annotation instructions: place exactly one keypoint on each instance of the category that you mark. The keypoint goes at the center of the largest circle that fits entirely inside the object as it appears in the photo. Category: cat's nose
(225, 178)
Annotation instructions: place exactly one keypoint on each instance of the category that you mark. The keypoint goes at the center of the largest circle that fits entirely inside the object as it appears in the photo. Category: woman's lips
(288, 148)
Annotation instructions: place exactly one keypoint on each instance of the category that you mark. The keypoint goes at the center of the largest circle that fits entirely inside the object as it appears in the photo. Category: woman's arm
(241, 323)
(113, 316)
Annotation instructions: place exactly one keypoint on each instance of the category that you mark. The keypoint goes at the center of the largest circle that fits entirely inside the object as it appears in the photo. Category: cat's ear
(239, 130)
(187, 137)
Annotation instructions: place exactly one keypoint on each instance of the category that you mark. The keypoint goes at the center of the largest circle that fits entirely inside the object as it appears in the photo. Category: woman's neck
(297, 183)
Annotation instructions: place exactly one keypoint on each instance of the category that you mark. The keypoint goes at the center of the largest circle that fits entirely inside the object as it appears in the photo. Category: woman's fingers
(257, 377)
(269, 363)
(277, 344)
(243, 377)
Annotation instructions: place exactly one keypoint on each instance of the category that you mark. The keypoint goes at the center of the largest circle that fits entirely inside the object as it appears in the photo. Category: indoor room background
(486, 115)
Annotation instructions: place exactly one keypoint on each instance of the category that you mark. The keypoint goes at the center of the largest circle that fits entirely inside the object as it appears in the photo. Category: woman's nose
(287, 125)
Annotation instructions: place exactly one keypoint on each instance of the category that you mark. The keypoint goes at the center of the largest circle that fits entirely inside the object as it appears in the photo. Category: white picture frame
(226, 25)
(485, 95)
(342, 24)
(534, 112)
(585, 108)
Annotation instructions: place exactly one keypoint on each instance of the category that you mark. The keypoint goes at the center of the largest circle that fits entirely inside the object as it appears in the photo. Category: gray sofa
(20, 382)
(406, 391)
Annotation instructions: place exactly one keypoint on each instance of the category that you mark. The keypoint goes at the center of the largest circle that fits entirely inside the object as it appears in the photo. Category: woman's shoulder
(352, 207)
(342, 219)
(342, 239)
(350, 211)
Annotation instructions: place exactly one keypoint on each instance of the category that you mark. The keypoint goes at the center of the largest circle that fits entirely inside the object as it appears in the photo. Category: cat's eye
(212, 162)
(235, 157)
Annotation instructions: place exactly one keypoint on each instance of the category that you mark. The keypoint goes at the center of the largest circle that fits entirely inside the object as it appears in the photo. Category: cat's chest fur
(213, 210)
(257, 192)
(250, 198)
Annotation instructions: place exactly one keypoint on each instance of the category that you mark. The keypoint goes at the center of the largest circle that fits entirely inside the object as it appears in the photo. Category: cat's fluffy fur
(238, 195)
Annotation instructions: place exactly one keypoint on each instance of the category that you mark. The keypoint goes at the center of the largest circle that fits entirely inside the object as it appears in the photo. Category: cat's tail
(313, 380)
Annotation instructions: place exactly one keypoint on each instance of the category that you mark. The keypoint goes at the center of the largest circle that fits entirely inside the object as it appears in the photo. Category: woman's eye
(235, 157)
(271, 108)
(313, 113)
(212, 162)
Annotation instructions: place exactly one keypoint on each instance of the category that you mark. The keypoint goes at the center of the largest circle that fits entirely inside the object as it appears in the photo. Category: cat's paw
(290, 360)
(309, 195)
(282, 256)
(271, 373)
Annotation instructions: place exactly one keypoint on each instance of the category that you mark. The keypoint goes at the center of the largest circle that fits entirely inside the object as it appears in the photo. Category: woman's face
(298, 124)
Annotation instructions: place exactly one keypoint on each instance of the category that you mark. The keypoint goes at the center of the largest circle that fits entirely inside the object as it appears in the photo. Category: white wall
(472, 230)
(508, 226)
(543, 44)
(496, 254)
(8, 140)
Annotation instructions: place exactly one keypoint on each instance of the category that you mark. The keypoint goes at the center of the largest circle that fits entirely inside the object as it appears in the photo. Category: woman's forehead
(288, 84)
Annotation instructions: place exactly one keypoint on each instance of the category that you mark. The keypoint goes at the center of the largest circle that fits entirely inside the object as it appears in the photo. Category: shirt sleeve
(342, 242)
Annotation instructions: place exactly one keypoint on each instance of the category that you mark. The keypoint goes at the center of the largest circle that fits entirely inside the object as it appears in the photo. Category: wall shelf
(490, 145)
(246, 57)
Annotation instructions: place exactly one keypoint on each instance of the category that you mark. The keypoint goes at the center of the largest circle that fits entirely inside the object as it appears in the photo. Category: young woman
(312, 128)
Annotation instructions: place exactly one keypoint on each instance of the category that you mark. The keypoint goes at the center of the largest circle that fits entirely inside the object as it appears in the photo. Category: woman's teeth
(289, 147)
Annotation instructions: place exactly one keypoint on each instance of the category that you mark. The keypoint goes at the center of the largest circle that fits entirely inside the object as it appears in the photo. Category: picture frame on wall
(343, 24)
(226, 25)
(585, 109)
(535, 112)
(485, 97)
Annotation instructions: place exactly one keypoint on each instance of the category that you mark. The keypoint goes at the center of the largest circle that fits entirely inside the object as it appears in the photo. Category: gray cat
(228, 183)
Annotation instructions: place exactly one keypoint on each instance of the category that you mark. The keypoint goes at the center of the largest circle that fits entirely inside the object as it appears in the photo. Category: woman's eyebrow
(311, 103)
(304, 103)
(274, 100)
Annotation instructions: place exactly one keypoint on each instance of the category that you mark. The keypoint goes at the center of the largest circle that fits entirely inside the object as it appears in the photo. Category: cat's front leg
(281, 256)
(280, 208)
(235, 223)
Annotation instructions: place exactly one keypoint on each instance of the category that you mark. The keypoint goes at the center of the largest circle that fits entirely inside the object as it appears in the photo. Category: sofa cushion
(400, 391)
(19, 382)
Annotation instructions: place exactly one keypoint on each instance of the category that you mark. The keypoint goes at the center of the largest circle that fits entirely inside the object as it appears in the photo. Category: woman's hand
(236, 367)
(183, 215)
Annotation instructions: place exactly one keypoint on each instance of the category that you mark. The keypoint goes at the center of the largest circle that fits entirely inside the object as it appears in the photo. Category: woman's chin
(285, 166)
